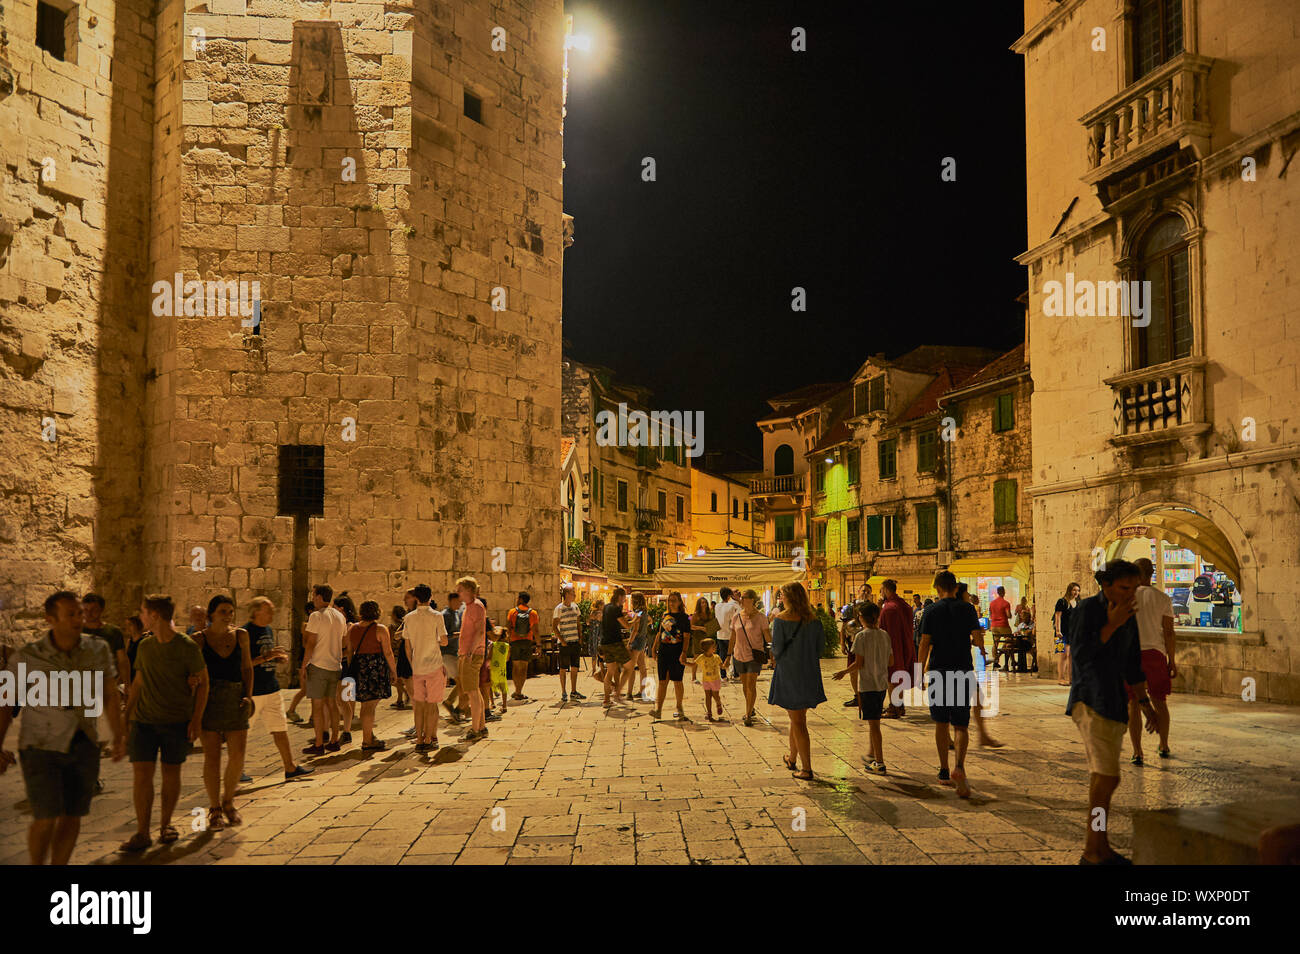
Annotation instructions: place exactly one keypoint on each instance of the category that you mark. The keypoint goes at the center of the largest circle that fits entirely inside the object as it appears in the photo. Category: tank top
(364, 638)
(223, 668)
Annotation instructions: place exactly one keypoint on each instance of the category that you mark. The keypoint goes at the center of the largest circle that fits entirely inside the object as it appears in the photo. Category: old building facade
(288, 287)
(1164, 414)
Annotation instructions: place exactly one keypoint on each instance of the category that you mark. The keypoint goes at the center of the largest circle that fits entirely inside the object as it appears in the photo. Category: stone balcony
(1161, 404)
(787, 485)
(1170, 106)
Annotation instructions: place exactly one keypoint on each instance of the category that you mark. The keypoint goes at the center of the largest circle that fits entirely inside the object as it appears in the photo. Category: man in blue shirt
(1106, 656)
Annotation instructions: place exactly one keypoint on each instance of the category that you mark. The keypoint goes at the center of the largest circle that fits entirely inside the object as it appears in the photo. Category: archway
(1194, 561)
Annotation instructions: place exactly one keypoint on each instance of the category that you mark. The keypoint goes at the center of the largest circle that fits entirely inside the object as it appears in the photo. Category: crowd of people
(212, 682)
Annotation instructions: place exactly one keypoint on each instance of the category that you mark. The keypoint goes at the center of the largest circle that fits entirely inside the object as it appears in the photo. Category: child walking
(872, 658)
(710, 664)
(499, 674)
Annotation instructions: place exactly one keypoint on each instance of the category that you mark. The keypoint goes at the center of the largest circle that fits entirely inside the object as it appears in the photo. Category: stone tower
(290, 299)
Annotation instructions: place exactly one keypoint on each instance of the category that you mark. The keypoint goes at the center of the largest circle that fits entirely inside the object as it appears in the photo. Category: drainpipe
(947, 488)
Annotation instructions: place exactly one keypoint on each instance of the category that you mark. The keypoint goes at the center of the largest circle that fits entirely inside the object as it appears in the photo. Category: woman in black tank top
(225, 719)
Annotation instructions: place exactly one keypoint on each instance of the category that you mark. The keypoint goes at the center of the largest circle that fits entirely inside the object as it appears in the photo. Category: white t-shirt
(872, 647)
(568, 622)
(1153, 606)
(425, 631)
(723, 614)
(329, 626)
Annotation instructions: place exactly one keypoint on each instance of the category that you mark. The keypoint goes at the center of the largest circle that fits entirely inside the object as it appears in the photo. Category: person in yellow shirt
(710, 664)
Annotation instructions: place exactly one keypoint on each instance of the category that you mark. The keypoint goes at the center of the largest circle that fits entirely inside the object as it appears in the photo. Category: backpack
(525, 618)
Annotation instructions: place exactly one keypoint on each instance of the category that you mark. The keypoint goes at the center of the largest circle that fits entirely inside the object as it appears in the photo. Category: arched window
(1163, 261)
(783, 460)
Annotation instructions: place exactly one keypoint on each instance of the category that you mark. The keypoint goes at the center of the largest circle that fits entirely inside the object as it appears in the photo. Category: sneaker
(346, 738)
(298, 772)
(422, 746)
(410, 733)
(245, 778)
(491, 717)
(333, 746)
(874, 767)
(577, 695)
(314, 750)
(564, 697)
(849, 704)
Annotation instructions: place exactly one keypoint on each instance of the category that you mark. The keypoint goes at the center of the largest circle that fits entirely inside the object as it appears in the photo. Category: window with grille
(1157, 34)
(927, 526)
(1004, 502)
(1004, 412)
(886, 452)
(927, 452)
(1164, 263)
(302, 480)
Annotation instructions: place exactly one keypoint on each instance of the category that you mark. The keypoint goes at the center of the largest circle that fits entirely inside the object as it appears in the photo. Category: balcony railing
(1163, 403)
(1171, 105)
(647, 519)
(785, 484)
(780, 550)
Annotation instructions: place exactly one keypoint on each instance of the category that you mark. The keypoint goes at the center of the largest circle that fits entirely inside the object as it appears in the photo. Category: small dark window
(622, 558)
(927, 451)
(876, 393)
(1004, 412)
(735, 509)
(746, 509)
(473, 107)
(622, 497)
(663, 504)
(852, 465)
(52, 30)
(853, 535)
(302, 480)
(713, 502)
(885, 453)
(681, 509)
(783, 460)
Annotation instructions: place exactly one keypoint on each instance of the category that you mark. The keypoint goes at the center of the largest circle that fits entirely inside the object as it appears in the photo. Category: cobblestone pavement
(577, 785)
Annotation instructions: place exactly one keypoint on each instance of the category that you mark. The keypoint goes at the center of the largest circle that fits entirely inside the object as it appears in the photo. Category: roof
(929, 359)
(793, 403)
(840, 433)
(927, 402)
(1011, 363)
(566, 446)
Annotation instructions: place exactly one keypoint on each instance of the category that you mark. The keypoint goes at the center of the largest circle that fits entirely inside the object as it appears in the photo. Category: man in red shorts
(1155, 620)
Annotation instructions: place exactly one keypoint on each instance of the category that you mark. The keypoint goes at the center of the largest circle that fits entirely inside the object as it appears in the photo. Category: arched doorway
(1195, 564)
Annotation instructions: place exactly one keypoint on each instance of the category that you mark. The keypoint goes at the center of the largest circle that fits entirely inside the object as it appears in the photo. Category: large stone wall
(329, 161)
(74, 229)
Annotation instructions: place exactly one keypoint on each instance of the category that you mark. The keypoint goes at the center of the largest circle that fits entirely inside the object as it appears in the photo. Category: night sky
(776, 169)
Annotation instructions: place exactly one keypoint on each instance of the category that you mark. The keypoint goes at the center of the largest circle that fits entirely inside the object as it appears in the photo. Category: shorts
(671, 667)
(1156, 668)
(269, 710)
(521, 650)
(743, 667)
(146, 743)
(61, 783)
(451, 667)
(950, 695)
(1102, 738)
(711, 685)
(429, 686)
(872, 704)
(321, 683)
(616, 654)
(570, 655)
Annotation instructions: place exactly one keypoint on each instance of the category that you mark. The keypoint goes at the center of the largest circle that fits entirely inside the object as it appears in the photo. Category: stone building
(639, 506)
(720, 512)
(1165, 422)
(286, 285)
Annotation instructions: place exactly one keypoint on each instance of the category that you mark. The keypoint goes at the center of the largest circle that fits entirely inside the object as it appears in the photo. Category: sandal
(167, 834)
(135, 844)
(232, 815)
(1135, 760)
(1165, 753)
(216, 820)
(805, 775)
(790, 763)
(378, 745)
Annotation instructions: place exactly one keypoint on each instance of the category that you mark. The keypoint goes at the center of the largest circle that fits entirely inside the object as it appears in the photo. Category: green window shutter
(853, 466)
(1004, 412)
(1004, 502)
(926, 451)
(873, 532)
(886, 459)
(927, 526)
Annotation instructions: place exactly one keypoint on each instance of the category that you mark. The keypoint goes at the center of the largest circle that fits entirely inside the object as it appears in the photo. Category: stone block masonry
(329, 161)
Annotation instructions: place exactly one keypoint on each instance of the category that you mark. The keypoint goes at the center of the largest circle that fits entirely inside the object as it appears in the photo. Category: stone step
(1216, 835)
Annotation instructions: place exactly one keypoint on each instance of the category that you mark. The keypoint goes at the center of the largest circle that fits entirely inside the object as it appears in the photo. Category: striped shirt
(568, 622)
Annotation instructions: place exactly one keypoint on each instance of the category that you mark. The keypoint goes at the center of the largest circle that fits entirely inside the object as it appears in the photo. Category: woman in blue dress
(797, 681)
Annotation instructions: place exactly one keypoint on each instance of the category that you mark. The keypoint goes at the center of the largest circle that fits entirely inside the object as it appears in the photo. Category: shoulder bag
(760, 655)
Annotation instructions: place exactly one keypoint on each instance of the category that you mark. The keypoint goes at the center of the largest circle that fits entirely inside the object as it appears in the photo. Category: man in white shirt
(723, 616)
(425, 630)
(1155, 622)
(567, 619)
(322, 656)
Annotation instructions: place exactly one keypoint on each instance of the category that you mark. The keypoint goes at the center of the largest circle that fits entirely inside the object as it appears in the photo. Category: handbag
(760, 655)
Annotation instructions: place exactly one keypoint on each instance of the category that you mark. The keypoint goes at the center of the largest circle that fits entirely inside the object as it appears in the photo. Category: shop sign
(1137, 530)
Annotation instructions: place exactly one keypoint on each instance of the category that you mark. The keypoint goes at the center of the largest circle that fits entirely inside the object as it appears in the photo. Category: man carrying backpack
(521, 624)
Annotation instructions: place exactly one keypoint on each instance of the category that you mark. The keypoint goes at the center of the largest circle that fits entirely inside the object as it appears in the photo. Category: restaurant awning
(727, 566)
(993, 564)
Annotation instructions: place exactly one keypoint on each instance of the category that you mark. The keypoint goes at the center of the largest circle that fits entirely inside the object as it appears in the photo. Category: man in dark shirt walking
(949, 628)
(1106, 655)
